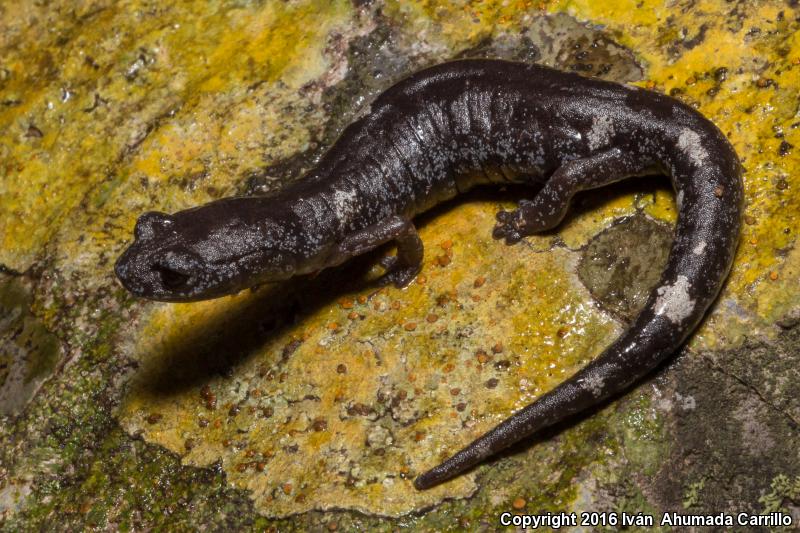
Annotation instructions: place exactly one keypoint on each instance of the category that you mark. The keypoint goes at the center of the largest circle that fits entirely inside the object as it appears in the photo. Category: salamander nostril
(172, 279)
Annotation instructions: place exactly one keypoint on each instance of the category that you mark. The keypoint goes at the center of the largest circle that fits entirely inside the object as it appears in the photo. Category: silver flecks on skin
(675, 301)
(601, 132)
(594, 384)
(698, 250)
(689, 142)
(440, 132)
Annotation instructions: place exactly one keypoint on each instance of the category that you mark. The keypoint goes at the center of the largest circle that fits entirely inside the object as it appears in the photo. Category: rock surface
(301, 406)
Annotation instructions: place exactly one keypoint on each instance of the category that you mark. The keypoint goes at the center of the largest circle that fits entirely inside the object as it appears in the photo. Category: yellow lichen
(73, 112)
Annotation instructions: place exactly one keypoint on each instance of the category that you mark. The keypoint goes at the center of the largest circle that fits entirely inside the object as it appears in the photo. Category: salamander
(440, 132)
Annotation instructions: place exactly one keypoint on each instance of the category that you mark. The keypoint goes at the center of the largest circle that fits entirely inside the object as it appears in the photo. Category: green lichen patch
(784, 492)
(128, 485)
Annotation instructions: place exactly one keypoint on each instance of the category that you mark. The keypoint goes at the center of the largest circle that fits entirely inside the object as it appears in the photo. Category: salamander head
(202, 253)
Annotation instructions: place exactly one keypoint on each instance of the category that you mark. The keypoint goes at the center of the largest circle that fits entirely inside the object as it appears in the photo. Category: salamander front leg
(400, 269)
(550, 205)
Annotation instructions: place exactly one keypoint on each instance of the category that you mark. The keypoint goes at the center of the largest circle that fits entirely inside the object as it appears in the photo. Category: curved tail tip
(423, 482)
(430, 479)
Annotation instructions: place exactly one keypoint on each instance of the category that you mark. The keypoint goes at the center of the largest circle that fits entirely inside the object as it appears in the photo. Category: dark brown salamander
(438, 133)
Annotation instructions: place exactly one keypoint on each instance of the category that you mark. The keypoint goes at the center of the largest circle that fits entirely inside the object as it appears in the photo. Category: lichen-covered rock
(344, 402)
(314, 403)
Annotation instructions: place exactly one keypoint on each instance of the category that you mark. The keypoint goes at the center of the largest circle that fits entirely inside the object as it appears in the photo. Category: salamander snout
(157, 264)
(169, 275)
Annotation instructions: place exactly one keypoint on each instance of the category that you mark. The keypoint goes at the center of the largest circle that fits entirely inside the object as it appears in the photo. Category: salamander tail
(710, 205)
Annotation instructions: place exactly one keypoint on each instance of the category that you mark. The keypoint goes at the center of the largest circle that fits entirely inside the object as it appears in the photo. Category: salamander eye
(171, 278)
(149, 224)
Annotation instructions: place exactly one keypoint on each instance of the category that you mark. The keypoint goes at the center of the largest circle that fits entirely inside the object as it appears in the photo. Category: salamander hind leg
(514, 225)
(550, 205)
(402, 268)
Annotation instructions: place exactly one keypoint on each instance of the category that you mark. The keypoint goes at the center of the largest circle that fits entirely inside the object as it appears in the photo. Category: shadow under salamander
(215, 346)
